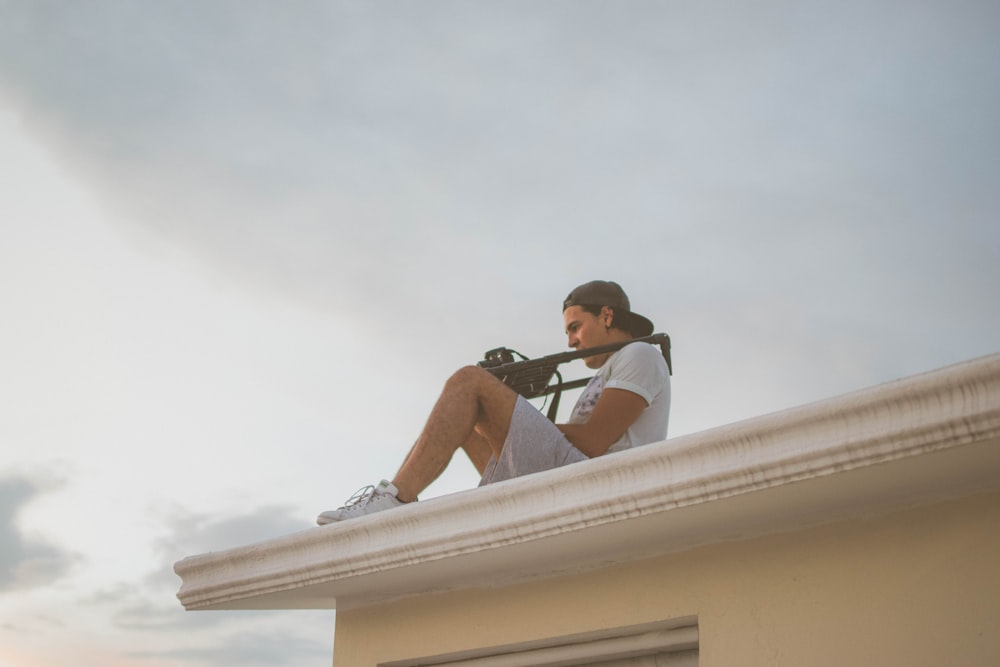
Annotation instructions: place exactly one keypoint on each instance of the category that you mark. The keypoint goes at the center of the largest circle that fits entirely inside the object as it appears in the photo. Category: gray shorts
(533, 444)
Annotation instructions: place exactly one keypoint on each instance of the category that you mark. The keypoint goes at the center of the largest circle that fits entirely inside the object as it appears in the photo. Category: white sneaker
(367, 500)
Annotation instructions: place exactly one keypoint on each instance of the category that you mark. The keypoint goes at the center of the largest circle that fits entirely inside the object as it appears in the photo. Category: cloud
(771, 184)
(158, 628)
(25, 562)
(147, 610)
(251, 648)
(447, 173)
(193, 532)
(392, 164)
(150, 602)
(802, 195)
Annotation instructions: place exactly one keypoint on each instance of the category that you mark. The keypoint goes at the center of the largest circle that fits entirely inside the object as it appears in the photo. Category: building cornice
(907, 442)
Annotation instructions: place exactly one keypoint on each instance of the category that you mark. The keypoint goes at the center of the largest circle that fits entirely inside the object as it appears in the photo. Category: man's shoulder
(642, 351)
(638, 353)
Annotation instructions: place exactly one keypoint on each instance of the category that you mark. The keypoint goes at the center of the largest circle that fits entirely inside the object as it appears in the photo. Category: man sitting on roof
(626, 404)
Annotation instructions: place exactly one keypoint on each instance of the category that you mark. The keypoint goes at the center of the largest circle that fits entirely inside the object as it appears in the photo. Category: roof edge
(922, 414)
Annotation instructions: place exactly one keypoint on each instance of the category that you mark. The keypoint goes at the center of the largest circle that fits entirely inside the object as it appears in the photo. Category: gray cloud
(25, 562)
(829, 166)
(256, 648)
(215, 638)
(375, 131)
(150, 603)
(148, 608)
(190, 533)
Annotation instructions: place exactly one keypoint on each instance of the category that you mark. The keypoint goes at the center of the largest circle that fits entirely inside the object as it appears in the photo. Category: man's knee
(478, 384)
(470, 377)
(495, 402)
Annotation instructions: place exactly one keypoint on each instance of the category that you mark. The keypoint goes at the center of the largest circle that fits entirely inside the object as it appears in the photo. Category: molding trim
(620, 646)
(836, 457)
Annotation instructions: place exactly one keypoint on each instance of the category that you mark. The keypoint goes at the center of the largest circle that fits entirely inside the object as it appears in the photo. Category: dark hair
(610, 294)
(596, 311)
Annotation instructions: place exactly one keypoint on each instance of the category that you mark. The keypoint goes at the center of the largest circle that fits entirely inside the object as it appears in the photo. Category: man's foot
(365, 501)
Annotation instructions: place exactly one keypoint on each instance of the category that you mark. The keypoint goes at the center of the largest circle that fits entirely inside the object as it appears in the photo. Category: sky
(243, 245)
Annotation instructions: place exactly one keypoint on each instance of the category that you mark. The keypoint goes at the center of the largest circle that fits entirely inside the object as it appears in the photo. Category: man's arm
(615, 411)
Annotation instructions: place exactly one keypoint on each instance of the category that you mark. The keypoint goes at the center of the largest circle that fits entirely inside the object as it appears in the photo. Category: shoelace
(361, 496)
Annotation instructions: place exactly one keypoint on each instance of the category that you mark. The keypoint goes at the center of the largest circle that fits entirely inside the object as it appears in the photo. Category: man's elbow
(589, 441)
(595, 446)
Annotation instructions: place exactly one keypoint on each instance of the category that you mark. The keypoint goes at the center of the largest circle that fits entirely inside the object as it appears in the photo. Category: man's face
(585, 330)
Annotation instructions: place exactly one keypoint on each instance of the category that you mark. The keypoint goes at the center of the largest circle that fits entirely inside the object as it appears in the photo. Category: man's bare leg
(476, 448)
(478, 451)
(473, 411)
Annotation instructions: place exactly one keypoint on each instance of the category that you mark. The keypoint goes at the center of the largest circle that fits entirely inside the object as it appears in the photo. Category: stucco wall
(920, 587)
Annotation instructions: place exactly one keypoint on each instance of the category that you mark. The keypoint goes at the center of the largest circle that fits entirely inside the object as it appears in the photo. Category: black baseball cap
(607, 293)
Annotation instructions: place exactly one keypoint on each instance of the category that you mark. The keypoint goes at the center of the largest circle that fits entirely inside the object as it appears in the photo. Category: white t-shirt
(641, 369)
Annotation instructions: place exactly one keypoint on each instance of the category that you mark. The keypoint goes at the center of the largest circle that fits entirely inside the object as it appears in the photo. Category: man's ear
(608, 316)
